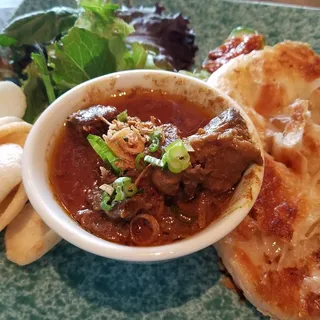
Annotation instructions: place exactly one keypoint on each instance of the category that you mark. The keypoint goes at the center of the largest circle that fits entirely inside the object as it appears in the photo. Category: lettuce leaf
(41, 26)
(40, 61)
(80, 56)
(69, 46)
(35, 91)
(6, 41)
(99, 17)
(168, 36)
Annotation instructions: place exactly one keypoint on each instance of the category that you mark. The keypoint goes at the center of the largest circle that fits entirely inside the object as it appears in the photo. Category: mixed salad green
(52, 51)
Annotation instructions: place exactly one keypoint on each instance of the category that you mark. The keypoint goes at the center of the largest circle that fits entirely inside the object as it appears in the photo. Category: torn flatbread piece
(28, 238)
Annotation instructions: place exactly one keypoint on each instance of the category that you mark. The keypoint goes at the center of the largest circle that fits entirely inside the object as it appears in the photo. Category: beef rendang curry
(149, 169)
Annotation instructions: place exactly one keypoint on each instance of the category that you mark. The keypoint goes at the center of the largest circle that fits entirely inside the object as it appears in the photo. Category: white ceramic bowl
(43, 134)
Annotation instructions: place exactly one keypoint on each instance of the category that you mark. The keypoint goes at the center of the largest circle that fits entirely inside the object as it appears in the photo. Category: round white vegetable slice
(28, 238)
(12, 100)
(10, 168)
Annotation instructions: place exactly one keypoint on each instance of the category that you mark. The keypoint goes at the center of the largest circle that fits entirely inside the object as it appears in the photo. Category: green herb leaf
(123, 116)
(139, 56)
(80, 56)
(41, 26)
(104, 152)
(99, 18)
(6, 41)
(41, 63)
(35, 91)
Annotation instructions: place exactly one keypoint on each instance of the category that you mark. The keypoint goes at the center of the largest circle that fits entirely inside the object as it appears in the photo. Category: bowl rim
(101, 247)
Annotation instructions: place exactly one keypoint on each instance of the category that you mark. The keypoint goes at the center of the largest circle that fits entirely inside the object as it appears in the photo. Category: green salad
(52, 51)
(49, 52)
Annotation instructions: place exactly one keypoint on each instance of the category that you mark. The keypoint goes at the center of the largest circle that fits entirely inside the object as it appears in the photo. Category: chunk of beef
(165, 181)
(129, 208)
(191, 178)
(171, 133)
(224, 152)
(91, 120)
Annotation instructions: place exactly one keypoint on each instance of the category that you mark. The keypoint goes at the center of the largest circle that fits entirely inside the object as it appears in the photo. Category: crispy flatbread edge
(242, 280)
(28, 238)
(15, 206)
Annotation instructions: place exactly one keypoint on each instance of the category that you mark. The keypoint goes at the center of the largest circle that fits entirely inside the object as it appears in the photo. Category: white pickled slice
(12, 100)
(10, 168)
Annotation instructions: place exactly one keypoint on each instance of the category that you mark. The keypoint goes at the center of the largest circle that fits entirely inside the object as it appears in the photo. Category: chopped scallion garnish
(122, 188)
(137, 161)
(154, 161)
(123, 116)
(130, 189)
(104, 152)
(176, 157)
(104, 202)
(155, 141)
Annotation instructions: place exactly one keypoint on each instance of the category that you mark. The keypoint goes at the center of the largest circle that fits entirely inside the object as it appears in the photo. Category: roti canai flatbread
(274, 254)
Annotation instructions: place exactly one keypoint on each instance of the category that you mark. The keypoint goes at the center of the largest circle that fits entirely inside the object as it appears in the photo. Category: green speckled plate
(69, 283)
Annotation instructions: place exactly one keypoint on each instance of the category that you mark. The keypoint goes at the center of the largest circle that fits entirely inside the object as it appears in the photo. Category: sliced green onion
(130, 189)
(154, 146)
(104, 202)
(118, 185)
(177, 156)
(104, 152)
(137, 161)
(123, 116)
(120, 181)
(120, 195)
(124, 188)
(240, 32)
(155, 141)
(154, 161)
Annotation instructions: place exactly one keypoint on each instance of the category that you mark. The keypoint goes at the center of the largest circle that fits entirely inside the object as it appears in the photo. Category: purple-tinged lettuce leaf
(168, 36)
